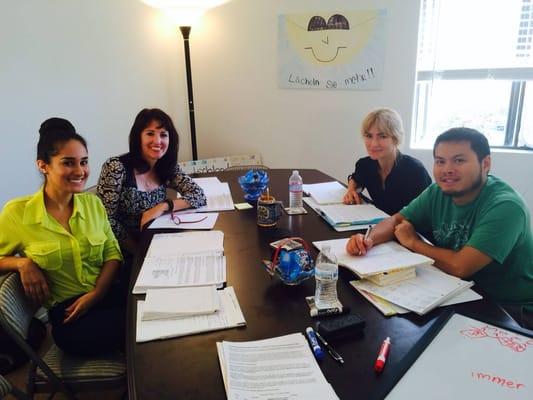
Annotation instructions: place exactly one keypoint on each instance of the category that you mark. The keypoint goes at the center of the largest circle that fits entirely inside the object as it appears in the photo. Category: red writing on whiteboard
(498, 380)
(507, 339)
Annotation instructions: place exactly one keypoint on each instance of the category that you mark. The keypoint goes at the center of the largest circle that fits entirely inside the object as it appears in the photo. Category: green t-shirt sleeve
(498, 230)
(418, 211)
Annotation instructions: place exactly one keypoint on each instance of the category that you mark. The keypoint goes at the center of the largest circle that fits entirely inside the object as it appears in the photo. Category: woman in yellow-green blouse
(67, 255)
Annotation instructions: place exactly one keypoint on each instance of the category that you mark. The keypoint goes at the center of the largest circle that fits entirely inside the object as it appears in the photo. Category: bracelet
(170, 204)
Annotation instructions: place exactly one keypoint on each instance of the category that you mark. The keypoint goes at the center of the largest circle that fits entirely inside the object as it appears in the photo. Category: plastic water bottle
(326, 276)
(295, 190)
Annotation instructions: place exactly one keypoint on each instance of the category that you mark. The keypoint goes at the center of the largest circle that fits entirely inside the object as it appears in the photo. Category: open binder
(385, 257)
(427, 290)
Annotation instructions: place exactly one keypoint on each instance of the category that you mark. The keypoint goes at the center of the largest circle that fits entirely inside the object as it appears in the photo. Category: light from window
(475, 70)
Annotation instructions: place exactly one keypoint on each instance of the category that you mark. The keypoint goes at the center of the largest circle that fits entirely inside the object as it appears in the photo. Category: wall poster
(332, 50)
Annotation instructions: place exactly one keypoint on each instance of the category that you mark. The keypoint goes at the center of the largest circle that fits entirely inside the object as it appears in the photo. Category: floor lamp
(184, 13)
(186, 31)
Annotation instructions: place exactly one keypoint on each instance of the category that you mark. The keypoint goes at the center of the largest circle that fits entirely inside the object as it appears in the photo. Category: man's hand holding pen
(359, 244)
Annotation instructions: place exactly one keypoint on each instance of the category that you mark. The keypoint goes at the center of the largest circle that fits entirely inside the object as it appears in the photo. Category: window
(475, 72)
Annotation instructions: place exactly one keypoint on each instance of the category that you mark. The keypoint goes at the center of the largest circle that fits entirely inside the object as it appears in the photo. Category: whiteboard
(469, 359)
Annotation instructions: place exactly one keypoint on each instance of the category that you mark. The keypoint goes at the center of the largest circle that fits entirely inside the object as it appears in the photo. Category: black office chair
(55, 371)
(7, 388)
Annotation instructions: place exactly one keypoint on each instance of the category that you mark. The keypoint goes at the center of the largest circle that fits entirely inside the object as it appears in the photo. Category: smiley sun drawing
(336, 41)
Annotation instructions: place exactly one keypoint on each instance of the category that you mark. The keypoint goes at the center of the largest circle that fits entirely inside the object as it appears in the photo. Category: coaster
(322, 312)
(295, 211)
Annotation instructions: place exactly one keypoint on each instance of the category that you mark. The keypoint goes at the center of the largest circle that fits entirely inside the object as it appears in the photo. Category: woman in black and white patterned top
(133, 185)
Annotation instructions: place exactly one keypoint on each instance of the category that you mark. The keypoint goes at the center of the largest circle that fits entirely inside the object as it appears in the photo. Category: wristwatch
(170, 204)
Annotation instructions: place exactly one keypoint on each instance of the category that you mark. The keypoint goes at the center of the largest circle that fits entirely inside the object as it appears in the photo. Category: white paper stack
(187, 219)
(388, 309)
(430, 288)
(326, 193)
(343, 217)
(228, 315)
(276, 368)
(388, 278)
(183, 259)
(217, 193)
(180, 302)
(385, 257)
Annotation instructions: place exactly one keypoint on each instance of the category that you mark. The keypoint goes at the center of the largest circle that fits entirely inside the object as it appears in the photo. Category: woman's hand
(80, 306)
(351, 197)
(152, 213)
(358, 245)
(33, 280)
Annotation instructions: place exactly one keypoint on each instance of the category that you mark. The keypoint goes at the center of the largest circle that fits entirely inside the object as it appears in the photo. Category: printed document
(183, 259)
(384, 257)
(171, 303)
(210, 180)
(172, 244)
(387, 308)
(228, 316)
(181, 270)
(277, 368)
(217, 193)
(185, 220)
(339, 228)
(430, 288)
(326, 192)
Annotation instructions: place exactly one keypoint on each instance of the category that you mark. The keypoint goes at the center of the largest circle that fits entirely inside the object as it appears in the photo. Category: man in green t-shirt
(480, 225)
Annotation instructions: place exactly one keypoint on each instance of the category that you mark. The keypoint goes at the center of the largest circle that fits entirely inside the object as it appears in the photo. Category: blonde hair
(387, 121)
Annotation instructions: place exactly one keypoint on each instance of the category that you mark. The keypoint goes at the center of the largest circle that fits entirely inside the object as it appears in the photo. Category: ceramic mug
(268, 211)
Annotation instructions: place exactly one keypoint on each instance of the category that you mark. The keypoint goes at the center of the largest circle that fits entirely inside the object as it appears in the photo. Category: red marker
(382, 356)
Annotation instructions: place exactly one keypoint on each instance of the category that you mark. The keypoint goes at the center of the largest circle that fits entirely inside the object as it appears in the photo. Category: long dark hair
(53, 133)
(166, 165)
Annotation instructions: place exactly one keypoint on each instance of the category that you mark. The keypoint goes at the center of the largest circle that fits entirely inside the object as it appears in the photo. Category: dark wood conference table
(188, 367)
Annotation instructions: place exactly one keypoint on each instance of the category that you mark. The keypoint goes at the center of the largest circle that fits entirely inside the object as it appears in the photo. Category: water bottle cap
(295, 172)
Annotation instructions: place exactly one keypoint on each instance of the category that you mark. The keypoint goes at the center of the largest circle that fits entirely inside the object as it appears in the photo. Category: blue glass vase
(253, 183)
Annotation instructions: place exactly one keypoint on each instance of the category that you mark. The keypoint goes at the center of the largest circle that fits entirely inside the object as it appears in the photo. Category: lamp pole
(185, 31)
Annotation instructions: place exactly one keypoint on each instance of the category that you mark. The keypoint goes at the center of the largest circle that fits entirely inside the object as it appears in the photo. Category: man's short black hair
(478, 141)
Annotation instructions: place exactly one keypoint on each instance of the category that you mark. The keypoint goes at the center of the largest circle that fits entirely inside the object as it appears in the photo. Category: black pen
(336, 356)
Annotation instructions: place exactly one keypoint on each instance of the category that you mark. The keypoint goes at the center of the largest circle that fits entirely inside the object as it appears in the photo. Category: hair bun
(56, 124)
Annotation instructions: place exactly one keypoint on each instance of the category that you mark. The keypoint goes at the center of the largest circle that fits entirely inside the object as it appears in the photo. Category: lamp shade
(183, 12)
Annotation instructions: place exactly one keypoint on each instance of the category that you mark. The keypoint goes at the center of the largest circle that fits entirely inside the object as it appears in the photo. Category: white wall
(240, 107)
(99, 62)
(96, 63)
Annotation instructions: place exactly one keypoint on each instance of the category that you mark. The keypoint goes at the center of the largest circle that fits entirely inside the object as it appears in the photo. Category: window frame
(518, 78)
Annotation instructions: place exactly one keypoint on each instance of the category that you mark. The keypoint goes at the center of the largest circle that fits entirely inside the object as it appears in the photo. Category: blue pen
(313, 341)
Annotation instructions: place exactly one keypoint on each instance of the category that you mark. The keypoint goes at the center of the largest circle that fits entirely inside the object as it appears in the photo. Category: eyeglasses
(178, 221)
